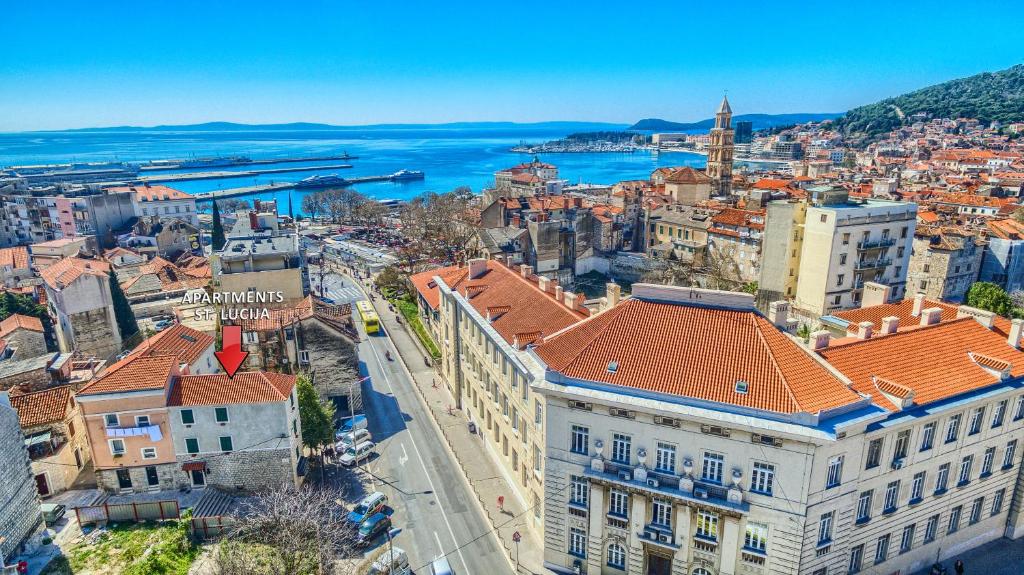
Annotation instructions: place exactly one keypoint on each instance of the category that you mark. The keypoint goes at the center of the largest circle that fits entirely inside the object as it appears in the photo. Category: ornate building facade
(719, 167)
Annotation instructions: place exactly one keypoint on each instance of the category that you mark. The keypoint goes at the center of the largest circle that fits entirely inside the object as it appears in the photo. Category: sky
(70, 64)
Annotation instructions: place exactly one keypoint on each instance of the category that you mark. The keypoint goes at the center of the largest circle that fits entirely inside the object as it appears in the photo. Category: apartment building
(822, 253)
(1003, 261)
(734, 238)
(680, 230)
(45, 254)
(945, 263)
(744, 452)
(162, 201)
(488, 316)
(79, 301)
(58, 446)
(260, 255)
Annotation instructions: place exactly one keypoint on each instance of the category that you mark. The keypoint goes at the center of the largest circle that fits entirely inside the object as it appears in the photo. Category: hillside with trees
(988, 97)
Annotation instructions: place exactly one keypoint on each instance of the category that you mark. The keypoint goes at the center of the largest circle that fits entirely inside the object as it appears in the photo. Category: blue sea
(449, 157)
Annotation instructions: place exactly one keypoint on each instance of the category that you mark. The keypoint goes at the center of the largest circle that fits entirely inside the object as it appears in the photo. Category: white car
(346, 440)
(357, 453)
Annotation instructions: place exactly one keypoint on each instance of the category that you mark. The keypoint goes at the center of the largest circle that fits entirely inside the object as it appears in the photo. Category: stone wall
(332, 359)
(20, 517)
(95, 333)
(106, 479)
(251, 470)
(28, 343)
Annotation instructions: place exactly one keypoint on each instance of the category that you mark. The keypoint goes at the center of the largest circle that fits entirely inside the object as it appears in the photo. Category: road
(339, 288)
(434, 508)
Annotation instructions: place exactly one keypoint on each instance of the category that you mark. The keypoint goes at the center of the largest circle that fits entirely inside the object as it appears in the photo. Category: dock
(221, 174)
(278, 186)
(170, 166)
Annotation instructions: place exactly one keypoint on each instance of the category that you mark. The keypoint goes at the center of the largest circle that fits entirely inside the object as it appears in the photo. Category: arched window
(616, 556)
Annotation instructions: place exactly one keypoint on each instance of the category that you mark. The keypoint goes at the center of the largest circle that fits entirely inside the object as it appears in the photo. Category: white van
(346, 440)
(355, 454)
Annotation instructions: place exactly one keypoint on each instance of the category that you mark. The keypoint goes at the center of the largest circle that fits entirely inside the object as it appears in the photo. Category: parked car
(370, 505)
(440, 566)
(162, 324)
(399, 563)
(52, 512)
(373, 527)
(352, 423)
(357, 453)
(352, 438)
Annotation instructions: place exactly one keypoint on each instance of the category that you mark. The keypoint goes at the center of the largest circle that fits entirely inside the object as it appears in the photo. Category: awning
(194, 466)
(38, 438)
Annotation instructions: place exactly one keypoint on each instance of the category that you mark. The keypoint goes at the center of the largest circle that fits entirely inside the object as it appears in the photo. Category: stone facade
(95, 333)
(250, 470)
(21, 520)
(63, 465)
(943, 265)
(140, 478)
(27, 343)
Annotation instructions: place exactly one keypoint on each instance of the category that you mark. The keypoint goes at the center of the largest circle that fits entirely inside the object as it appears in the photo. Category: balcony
(660, 535)
(876, 244)
(683, 489)
(617, 521)
(871, 264)
(43, 445)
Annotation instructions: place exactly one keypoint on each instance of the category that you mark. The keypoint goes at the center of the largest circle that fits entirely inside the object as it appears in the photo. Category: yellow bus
(369, 317)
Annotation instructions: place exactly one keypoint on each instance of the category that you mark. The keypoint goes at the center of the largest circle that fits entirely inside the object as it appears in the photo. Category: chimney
(558, 293)
(778, 314)
(542, 283)
(864, 329)
(875, 294)
(1016, 330)
(890, 325)
(918, 304)
(613, 292)
(984, 317)
(931, 316)
(525, 271)
(254, 222)
(570, 300)
(477, 267)
(819, 339)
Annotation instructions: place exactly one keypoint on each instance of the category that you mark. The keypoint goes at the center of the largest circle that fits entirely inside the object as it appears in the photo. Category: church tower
(719, 167)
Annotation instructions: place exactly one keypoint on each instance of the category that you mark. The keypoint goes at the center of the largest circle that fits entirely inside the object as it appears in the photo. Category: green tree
(218, 229)
(391, 282)
(317, 416)
(22, 304)
(989, 296)
(126, 323)
(750, 288)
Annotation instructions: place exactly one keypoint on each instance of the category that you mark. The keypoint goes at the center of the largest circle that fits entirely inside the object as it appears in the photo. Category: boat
(401, 175)
(215, 162)
(330, 181)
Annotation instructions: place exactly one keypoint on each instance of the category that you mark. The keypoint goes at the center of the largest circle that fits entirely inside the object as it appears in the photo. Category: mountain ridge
(316, 126)
(760, 121)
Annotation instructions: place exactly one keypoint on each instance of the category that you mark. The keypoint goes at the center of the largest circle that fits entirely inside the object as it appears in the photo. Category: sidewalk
(483, 474)
(1000, 557)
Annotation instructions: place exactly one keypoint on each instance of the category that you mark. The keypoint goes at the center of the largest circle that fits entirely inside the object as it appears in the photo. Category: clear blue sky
(70, 64)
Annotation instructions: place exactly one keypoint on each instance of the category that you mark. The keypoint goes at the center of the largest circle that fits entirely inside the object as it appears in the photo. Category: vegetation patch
(130, 549)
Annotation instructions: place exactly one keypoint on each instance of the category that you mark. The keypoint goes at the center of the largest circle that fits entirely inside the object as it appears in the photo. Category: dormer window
(742, 386)
(613, 366)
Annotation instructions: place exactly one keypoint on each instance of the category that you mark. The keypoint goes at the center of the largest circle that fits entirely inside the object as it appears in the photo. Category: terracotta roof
(709, 351)
(904, 311)
(68, 270)
(934, 361)
(427, 288)
(17, 321)
(134, 373)
(16, 257)
(770, 184)
(42, 407)
(1008, 229)
(687, 175)
(178, 340)
(219, 389)
(278, 317)
(152, 193)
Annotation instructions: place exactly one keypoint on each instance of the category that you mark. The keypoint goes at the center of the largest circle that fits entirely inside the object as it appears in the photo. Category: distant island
(311, 126)
(601, 141)
(759, 121)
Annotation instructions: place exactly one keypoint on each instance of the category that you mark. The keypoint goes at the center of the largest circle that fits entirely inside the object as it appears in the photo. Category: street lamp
(392, 533)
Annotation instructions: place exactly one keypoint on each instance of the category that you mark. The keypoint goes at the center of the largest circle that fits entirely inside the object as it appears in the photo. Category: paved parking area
(1000, 557)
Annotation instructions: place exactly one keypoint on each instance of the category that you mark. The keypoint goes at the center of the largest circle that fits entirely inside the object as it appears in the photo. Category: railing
(865, 265)
(617, 521)
(872, 244)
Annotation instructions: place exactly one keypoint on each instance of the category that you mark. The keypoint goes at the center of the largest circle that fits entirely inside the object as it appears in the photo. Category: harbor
(282, 186)
(161, 165)
(220, 174)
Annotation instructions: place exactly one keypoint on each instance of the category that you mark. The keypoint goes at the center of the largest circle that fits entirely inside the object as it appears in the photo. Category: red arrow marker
(231, 356)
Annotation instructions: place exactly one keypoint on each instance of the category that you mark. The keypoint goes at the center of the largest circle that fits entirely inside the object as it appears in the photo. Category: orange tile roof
(17, 321)
(687, 175)
(42, 407)
(709, 351)
(427, 288)
(902, 309)
(178, 340)
(68, 270)
(770, 184)
(16, 257)
(219, 389)
(152, 193)
(933, 361)
(134, 373)
(1008, 229)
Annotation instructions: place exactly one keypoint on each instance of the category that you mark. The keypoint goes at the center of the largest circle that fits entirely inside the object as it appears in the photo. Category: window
(579, 440)
(997, 501)
(1011, 450)
(149, 453)
(665, 460)
(986, 462)
(579, 491)
(954, 519)
(1018, 410)
(930, 528)
(141, 421)
(976, 418)
(892, 494)
(839, 280)
(661, 512)
(917, 487)
(220, 414)
(824, 218)
(846, 239)
(616, 556)
(191, 445)
(856, 559)
(538, 413)
(882, 549)
(707, 525)
(117, 447)
(874, 453)
(618, 503)
(621, 446)
(578, 542)
(762, 479)
(187, 417)
(842, 259)
(837, 300)
(999, 413)
(942, 479)
(226, 444)
(537, 459)
(965, 470)
(864, 506)
(953, 428)
(756, 537)
(712, 468)
(110, 420)
(975, 515)
(835, 472)
(902, 444)
(927, 436)
(825, 528)
(907, 539)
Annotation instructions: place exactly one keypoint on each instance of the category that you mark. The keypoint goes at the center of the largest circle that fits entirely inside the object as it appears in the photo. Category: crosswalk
(344, 294)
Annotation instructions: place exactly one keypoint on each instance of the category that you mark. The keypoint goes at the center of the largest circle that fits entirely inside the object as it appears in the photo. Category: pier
(172, 166)
(278, 186)
(221, 174)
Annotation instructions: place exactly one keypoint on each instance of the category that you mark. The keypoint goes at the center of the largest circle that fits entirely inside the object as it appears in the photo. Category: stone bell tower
(719, 167)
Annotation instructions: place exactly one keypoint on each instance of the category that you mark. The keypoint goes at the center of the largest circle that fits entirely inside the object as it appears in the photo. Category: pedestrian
(501, 503)
(959, 567)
